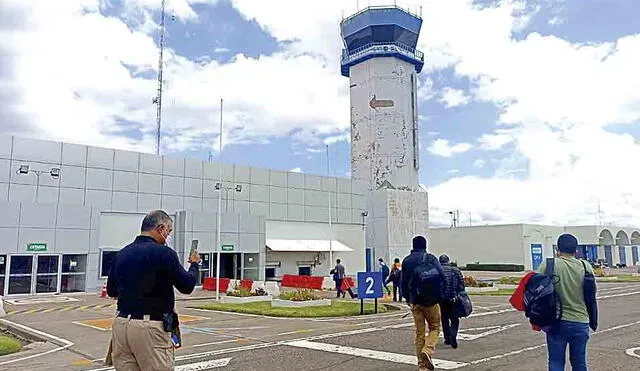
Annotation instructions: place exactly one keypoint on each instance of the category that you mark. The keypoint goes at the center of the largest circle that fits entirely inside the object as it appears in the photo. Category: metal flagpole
(218, 234)
(330, 231)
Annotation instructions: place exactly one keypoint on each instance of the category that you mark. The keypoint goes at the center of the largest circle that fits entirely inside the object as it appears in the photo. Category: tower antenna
(157, 100)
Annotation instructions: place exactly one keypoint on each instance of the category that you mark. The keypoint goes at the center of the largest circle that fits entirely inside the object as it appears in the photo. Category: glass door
(20, 273)
(47, 274)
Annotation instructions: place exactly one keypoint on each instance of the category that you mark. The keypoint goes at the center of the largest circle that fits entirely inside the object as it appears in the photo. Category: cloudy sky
(529, 109)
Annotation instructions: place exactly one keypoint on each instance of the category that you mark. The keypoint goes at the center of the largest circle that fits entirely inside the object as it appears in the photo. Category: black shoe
(447, 342)
(454, 345)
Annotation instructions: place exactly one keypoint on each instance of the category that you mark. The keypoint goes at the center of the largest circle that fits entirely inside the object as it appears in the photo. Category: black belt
(152, 317)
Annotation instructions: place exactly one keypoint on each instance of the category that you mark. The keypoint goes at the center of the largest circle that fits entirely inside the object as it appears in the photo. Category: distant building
(529, 244)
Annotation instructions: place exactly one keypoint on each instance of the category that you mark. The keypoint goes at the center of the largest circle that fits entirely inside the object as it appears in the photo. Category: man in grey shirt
(338, 276)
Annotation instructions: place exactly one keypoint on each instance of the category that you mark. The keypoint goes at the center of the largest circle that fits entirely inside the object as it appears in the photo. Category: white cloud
(496, 140)
(433, 133)
(479, 163)
(344, 137)
(220, 49)
(296, 170)
(454, 97)
(453, 171)
(556, 21)
(92, 79)
(442, 147)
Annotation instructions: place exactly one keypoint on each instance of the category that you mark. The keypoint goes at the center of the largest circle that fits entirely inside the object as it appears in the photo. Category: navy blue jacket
(409, 264)
(143, 276)
(453, 282)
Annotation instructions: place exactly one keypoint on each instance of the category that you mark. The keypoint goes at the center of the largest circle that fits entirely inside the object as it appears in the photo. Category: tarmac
(74, 336)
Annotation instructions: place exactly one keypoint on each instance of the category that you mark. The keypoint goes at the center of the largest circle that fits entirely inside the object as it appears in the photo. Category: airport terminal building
(529, 244)
(66, 209)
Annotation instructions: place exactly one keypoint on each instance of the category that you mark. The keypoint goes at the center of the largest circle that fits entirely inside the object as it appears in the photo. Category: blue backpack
(426, 281)
(385, 271)
(541, 300)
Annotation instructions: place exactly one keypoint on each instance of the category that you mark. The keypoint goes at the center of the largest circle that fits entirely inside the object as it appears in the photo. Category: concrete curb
(26, 335)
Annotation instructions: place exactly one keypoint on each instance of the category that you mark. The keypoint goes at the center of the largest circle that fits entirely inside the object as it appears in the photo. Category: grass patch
(620, 278)
(508, 280)
(336, 309)
(501, 292)
(8, 345)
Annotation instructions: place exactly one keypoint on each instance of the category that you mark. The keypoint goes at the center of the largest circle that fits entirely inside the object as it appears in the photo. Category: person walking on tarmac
(143, 276)
(421, 284)
(338, 276)
(452, 285)
(394, 278)
(384, 268)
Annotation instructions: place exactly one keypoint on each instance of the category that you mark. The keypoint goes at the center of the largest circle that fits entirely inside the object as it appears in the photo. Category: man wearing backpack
(421, 285)
(452, 285)
(394, 278)
(572, 281)
(385, 275)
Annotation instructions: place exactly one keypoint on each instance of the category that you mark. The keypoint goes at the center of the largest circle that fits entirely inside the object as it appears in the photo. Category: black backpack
(395, 274)
(541, 300)
(589, 291)
(426, 281)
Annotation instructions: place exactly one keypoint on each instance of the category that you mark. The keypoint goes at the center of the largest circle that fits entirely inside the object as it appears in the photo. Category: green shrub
(472, 282)
(509, 280)
(300, 295)
(496, 267)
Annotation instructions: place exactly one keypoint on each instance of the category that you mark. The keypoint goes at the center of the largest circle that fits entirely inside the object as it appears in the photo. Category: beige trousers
(140, 345)
(424, 317)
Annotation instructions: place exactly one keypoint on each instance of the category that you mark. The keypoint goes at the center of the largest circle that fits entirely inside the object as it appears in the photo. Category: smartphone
(194, 246)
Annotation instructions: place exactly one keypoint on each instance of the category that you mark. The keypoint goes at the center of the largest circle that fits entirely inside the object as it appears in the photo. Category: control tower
(381, 61)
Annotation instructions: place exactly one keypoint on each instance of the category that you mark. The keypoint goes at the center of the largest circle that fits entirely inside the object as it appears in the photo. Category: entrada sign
(227, 247)
(36, 247)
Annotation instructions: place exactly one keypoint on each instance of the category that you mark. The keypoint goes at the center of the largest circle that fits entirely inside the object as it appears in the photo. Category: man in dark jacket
(425, 309)
(452, 285)
(143, 276)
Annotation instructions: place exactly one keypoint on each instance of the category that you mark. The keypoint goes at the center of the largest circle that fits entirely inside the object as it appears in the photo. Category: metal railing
(381, 47)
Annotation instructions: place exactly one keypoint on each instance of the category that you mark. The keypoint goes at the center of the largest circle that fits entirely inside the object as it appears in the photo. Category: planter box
(481, 289)
(505, 286)
(611, 278)
(300, 304)
(249, 299)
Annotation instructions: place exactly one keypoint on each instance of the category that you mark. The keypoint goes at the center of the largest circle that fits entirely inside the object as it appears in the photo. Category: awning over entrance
(307, 246)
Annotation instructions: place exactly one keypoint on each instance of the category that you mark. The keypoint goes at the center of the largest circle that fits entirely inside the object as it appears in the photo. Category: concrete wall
(395, 217)
(114, 180)
(384, 123)
(485, 244)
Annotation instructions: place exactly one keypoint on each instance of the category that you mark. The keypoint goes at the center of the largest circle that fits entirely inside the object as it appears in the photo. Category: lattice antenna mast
(158, 98)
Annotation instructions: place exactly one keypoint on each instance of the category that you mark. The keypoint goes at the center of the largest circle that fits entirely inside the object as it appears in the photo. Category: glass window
(304, 271)
(270, 272)
(20, 284)
(74, 263)
(73, 273)
(47, 264)
(21, 265)
(107, 260)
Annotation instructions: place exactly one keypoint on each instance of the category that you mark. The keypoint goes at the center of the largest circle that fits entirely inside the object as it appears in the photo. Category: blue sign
(536, 255)
(369, 285)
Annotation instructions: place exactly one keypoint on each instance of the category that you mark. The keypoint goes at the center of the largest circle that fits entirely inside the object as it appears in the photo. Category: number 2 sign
(369, 285)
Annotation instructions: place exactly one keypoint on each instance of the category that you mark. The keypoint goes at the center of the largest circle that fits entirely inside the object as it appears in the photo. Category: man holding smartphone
(143, 276)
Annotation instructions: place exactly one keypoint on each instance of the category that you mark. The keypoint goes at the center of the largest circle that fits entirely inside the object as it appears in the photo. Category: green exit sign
(227, 247)
(36, 247)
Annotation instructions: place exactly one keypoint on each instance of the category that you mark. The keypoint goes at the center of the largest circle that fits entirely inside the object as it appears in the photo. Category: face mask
(168, 241)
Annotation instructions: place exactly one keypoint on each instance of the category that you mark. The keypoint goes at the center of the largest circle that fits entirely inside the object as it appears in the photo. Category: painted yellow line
(50, 310)
(33, 311)
(67, 308)
(84, 307)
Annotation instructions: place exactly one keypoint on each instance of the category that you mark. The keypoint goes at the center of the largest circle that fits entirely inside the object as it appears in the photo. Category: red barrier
(246, 284)
(209, 284)
(302, 282)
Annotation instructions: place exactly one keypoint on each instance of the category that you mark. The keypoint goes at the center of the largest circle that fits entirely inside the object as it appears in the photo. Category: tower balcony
(381, 49)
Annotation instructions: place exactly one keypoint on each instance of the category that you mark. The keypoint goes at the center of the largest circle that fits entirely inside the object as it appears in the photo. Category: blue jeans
(574, 334)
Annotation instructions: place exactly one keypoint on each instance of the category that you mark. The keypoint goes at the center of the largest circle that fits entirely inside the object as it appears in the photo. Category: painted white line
(482, 314)
(470, 337)
(90, 326)
(206, 365)
(515, 352)
(215, 343)
(618, 295)
(373, 354)
(224, 351)
(492, 358)
(632, 352)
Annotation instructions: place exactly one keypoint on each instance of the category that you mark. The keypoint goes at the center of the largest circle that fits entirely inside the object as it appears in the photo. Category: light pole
(218, 249)
(24, 169)
(220, 187)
